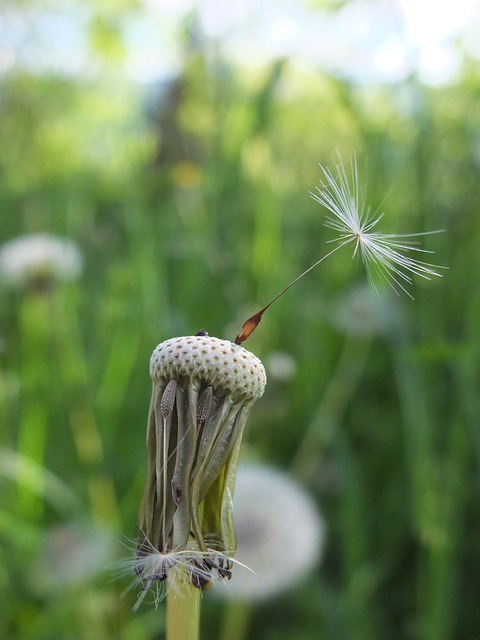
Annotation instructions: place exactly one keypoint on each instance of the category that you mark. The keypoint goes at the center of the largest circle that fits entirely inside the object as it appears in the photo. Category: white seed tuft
(280, 533)
(27, 258)
(223, 365)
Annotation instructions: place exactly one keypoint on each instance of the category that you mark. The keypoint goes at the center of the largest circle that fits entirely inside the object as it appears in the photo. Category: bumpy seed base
(219, 363)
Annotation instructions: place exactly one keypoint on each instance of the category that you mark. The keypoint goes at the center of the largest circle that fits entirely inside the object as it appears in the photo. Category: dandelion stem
(304, 274)
(183, 612)
(237, 621)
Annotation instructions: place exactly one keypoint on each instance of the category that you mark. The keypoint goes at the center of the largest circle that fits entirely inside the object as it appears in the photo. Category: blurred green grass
(197, 229)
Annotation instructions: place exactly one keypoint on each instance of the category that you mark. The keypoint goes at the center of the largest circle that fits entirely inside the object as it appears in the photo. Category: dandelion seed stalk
(183, 613)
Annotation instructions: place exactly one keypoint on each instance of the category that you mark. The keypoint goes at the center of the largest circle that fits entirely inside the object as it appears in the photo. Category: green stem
(237, 620)
(183, 612)
(36, 336)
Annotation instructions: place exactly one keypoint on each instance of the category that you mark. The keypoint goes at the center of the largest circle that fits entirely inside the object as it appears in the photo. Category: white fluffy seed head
(40, 255)
(280, 533)
(223, 365)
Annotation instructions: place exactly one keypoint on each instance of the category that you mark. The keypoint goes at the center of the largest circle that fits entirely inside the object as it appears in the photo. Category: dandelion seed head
(389, 257)
(40, 257)
(203, 390)
(224, 365)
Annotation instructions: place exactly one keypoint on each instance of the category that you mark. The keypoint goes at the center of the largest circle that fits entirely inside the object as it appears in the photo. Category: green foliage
(190, 205)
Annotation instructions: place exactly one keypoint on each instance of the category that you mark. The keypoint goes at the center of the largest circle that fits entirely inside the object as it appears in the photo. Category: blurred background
(155, 168)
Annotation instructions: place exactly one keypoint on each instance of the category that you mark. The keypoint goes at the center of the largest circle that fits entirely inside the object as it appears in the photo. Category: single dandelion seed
(388, 256)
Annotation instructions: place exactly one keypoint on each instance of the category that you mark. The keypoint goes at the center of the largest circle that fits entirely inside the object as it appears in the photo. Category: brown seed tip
(249, 326)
